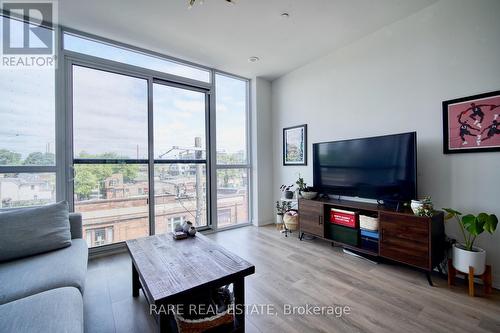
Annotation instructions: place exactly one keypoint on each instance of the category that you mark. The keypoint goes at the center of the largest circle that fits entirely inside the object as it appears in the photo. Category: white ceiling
(225, 36)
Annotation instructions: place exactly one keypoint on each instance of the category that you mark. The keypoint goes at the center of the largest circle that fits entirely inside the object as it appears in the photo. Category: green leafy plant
(283, 207)
(472, 225)
(91, 177)
(427, 208)
(285, 188)
(302, 186)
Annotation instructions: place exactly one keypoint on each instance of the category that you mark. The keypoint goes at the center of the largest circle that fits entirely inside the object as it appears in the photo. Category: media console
(403, 237)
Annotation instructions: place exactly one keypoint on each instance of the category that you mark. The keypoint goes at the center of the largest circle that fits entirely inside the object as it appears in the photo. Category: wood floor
(382, 297)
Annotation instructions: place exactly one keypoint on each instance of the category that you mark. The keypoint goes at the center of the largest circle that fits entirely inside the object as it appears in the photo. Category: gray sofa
(42, 292)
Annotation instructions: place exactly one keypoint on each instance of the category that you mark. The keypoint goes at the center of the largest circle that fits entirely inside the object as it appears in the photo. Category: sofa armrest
(75, 223)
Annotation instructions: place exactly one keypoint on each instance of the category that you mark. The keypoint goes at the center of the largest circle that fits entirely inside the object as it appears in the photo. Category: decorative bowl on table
(308, 195)
(422, 207)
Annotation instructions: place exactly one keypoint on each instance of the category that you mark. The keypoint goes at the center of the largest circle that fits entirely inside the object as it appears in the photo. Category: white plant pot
(462, 259)
(416, 205)
(279, 219)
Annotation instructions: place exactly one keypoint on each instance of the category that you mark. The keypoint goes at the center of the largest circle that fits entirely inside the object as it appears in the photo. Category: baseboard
(263, 223)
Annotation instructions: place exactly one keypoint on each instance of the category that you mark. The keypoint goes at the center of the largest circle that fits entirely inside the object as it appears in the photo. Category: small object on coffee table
(179, 235)
(192, 231)
(186, 226)
(178, 226)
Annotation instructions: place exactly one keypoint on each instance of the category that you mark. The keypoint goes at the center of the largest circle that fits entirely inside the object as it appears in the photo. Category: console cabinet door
(405, 238)
(311, 217)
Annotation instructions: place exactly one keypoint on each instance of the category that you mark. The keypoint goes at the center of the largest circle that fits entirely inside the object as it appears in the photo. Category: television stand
(403, 237)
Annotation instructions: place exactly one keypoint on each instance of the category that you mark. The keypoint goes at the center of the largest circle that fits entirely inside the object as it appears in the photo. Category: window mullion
(151, 161)
(233, 166)
(28, 169)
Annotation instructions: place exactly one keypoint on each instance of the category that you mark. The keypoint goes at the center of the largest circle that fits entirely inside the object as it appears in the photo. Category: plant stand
(486, 277)
(279, 222)
(285, 230)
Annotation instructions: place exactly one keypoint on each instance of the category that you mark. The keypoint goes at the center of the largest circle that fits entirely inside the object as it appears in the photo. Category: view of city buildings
(116, 207)
(18, 190)
(111, 141)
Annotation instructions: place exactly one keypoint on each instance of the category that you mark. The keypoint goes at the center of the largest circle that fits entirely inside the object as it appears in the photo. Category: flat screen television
(381, 168)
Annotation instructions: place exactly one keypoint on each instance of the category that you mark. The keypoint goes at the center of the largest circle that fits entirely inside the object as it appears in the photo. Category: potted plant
(287, 191)
(465, 254)
(281, 208)
(301, 185)
(304, 191)
(423, 207)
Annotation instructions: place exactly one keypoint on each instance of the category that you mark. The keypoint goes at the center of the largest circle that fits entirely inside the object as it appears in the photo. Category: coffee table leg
(239, 303)
(165, 323)
(136, 285)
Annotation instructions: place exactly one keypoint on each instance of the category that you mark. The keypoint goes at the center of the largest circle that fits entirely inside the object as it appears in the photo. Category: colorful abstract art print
(471, 124)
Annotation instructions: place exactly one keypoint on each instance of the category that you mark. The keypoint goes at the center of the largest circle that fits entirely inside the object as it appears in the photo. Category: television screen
(381, 168)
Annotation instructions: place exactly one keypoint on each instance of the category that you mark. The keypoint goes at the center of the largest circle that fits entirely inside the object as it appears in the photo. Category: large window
(232, 151)
(27, 133)
(110, 151)
(134, 129)
(135, 58)
(112, 140)
(180, 195)
(179, 123)
(180, 150)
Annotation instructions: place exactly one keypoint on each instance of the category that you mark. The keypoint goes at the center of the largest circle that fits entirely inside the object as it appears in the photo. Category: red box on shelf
(344, 217)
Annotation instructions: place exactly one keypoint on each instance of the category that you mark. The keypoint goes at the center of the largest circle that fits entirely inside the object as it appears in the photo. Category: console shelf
(355, 248)
(405, 238)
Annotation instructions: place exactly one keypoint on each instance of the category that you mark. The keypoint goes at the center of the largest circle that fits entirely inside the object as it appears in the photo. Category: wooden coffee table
(171, 271)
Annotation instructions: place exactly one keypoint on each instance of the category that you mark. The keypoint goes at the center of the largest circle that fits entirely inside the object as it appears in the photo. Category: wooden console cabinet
(403, 237)
(311, 217)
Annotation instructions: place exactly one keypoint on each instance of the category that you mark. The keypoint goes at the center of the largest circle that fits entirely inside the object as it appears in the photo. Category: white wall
(394, 80)
(262, 152)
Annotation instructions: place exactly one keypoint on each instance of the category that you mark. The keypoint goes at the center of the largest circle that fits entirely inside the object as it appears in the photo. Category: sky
(110, 110)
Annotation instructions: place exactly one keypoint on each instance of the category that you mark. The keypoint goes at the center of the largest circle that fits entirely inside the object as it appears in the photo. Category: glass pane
(27, 114)
(179, 123)
(113, 200)
(231, 108)
(119, 54)
(110, 115)
(232, 197)
(27, 189)
(180, 195)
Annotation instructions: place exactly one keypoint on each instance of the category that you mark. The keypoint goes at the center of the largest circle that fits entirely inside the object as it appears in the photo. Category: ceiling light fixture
(191, 3)
(253, 59)
(285, 15)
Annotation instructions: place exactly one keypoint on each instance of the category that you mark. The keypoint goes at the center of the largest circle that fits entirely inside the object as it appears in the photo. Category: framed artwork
(295, 145)
(471, 124)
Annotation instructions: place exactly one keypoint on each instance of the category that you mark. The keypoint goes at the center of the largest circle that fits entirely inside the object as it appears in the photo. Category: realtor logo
(28, 34)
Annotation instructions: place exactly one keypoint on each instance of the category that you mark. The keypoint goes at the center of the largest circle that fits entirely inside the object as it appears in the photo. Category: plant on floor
(282, 207)
(466, 255)
(472, 226)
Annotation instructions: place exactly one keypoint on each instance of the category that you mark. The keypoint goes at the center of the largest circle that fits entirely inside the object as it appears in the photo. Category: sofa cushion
(56, 310)
(24, 232)
(60, 268)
